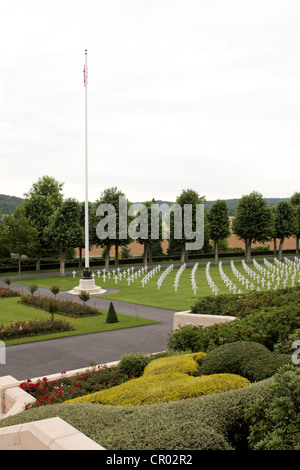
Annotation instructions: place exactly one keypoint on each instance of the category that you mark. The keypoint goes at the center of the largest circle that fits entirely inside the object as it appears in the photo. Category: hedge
(240, 305)
(164, 380)
(271, 327)
(246, 358)
(213, 422)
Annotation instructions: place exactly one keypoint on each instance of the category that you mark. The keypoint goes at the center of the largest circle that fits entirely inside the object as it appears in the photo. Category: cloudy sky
(200, 94)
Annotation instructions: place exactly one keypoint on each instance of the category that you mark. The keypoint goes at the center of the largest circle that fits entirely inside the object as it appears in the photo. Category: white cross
(73, 272)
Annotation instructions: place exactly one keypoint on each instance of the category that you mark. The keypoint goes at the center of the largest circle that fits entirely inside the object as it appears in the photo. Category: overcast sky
(200, 94)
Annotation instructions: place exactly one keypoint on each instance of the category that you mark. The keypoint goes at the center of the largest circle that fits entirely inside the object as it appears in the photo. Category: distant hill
(232, 203)
(9, 203)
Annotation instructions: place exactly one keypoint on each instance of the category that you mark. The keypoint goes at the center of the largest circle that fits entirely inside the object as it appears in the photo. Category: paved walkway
(43, 358)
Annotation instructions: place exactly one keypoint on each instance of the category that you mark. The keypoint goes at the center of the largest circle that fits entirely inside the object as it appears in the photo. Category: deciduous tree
(253, 221)
(219, 224)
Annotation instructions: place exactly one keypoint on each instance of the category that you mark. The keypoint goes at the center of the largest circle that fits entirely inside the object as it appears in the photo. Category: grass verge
(12, 310)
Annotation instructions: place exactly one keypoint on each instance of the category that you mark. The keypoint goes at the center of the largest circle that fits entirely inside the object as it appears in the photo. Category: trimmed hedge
(166, 380)
(250, 360)
(213, 422)
(240, 305)
(271, 327)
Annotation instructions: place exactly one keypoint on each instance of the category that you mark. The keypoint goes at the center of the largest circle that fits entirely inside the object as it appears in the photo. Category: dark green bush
(111, 316)
(133, 364)
(240, 305)
(275, 421)
(269, 327)
(246, 358)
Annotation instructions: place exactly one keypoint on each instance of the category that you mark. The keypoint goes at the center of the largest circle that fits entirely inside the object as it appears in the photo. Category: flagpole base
(87, 284)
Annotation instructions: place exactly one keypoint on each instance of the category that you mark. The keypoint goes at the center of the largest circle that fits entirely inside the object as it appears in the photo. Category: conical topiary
(111, 316)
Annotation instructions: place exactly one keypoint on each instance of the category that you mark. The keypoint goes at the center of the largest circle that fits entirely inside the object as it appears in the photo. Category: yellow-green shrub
(186, 363)
(161, 383)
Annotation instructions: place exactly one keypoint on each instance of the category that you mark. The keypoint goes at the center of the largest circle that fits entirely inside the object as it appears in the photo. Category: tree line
(46, 223)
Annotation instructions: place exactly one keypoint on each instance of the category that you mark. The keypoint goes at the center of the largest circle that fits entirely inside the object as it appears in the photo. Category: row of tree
(46, 223)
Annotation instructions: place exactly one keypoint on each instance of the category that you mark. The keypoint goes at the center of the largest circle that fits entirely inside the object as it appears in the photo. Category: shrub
(240, 305)
(55, 290)
(133, 364)
(269, 327)
(275, 420)
(251, 360)
(33, 288)
(169, 385)
(84, 296)
(188, 364)
(111, 316)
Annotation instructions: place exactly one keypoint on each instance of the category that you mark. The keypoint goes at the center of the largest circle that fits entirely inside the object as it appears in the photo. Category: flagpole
(87, 273)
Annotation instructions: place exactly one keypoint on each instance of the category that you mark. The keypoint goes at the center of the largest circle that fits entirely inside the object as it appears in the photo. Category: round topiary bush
(133, 364)
(246, 358)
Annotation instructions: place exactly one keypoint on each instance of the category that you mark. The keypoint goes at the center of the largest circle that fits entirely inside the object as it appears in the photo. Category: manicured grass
(165, 297)
(11, 310)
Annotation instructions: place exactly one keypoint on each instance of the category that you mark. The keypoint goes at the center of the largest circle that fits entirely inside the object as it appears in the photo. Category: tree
(187, 197)
(111, 316)
(219, 225)
(285, 223)
(48, 187)
(41, 202)
(253, 221)
(153, 224)
(111, 222)
(64, 229)
(19, 234)
(295, 201)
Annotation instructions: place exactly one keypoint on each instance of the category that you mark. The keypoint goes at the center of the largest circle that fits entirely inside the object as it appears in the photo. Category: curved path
(47, 357)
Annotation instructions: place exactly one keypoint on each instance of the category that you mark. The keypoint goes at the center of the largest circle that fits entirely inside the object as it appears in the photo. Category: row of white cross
(193, 280)
(150, 274)
(269, 273)
(177, 277)
(226, 280)
(211, 283)
(164, 275)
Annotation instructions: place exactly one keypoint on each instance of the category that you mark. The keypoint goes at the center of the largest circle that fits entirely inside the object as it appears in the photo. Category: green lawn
(165, 297)
(11, 310)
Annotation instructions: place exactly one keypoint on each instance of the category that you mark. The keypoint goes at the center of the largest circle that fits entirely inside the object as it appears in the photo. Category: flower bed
(64, 307)
(21, 329)
(5, 292)
(50, 392)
